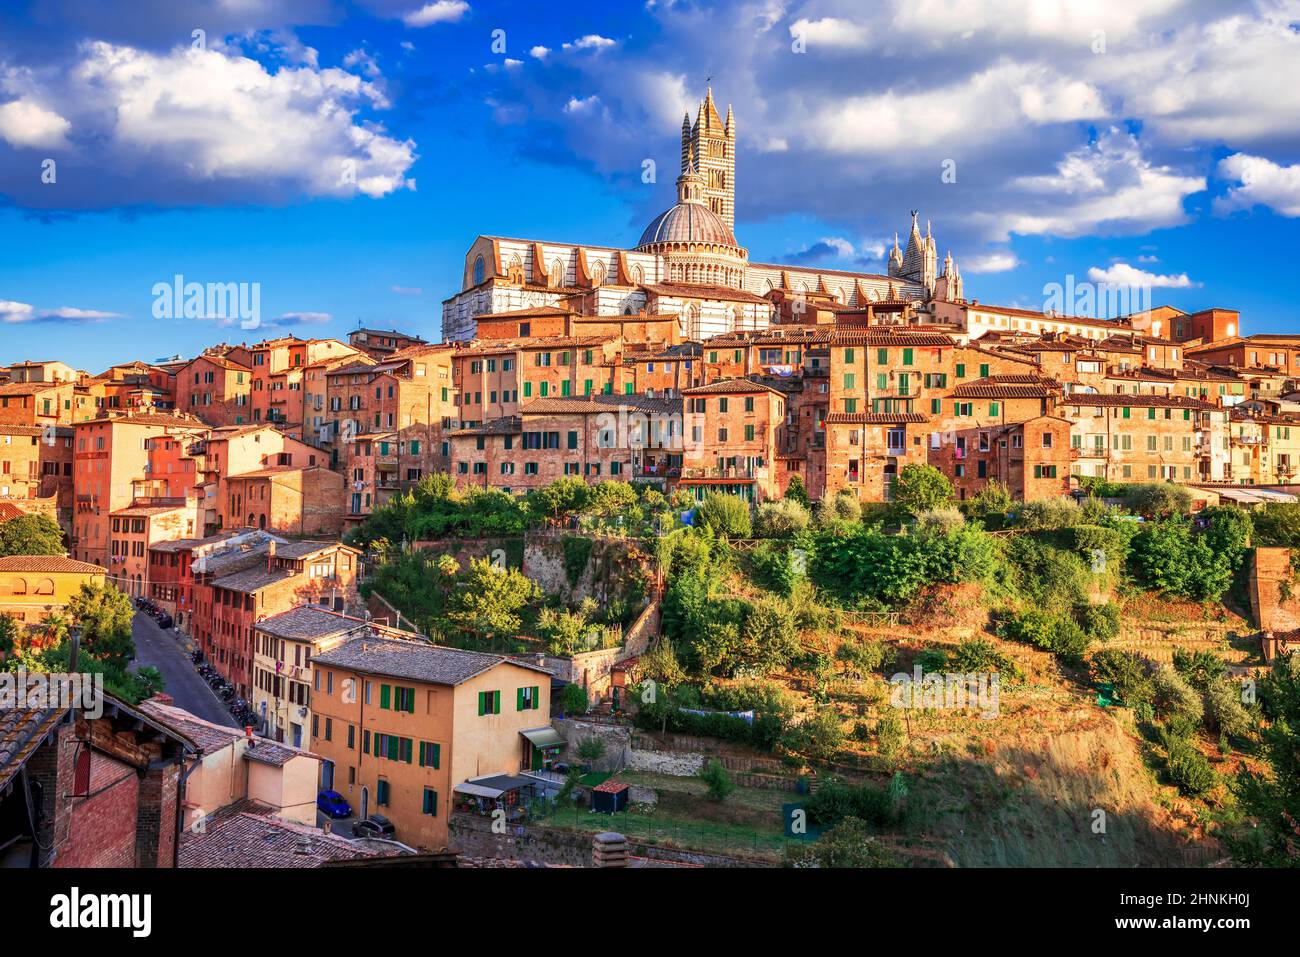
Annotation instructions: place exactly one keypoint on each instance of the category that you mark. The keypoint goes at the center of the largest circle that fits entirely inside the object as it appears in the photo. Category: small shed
(610, 797)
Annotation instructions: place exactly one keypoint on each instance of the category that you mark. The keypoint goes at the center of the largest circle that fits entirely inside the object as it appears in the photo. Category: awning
(544, 737)
(495, 785)
(474, 790)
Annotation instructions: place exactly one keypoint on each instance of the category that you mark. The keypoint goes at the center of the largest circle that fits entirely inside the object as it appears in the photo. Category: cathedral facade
(687, 262)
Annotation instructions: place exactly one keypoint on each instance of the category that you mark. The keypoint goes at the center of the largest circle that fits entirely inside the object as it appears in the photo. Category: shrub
(920, 488)
(780, 519)
(1225, 712)
(1128, 673)
(819, 737)
(717, 782)
(1049, 513)
(1059, 634)
(573, 699)
(940, 521)
(976, 655)
(725, 515)
(1202, 669)
(1100, 622)
(1189, 770)
(848, 844)
(1173, 697)
(1157, 499)
(797, 492)
(1169, 556)
(890, 735)
(835, 800)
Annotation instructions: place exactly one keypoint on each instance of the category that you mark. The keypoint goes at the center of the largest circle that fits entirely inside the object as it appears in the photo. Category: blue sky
(343, 155)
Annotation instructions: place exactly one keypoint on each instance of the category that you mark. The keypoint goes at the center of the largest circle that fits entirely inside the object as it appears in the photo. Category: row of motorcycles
(153, 611)
(241, 710)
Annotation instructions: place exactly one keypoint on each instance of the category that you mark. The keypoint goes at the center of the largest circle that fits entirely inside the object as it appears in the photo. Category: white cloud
(539, 52)
(1122, 274)
(360, 59)
(1109, 186)
(591, 41)
(407, 290)
(1001, 261)
(24, 123)
(583, 106)
(441, 11)
(191, 126)
(830, 32)
(1263, 183)
(20, 312)
(976, 109)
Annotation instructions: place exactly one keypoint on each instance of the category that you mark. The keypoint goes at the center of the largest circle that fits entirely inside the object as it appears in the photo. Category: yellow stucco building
(33, 586)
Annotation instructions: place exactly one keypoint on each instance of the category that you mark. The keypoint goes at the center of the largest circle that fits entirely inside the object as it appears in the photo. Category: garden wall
(619, 752)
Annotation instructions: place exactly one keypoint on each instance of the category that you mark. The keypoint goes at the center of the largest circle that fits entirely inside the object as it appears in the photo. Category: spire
(730, 125)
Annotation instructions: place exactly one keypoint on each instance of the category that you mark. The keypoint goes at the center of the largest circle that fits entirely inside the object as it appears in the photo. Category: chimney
(270, 556)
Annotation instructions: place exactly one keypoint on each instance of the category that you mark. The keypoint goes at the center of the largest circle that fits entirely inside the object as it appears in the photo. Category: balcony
(735, 472)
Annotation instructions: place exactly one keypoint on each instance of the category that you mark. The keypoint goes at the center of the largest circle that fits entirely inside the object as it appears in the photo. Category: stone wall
(1271, 604)
(619, 750)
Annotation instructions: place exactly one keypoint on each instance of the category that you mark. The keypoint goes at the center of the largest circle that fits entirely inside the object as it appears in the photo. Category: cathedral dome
(688, 222)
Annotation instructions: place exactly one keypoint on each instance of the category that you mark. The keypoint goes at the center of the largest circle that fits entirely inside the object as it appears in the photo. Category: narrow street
(164, 650)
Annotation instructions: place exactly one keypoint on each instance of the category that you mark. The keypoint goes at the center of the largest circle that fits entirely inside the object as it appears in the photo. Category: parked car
(164, 620)
(332, 804)
(374, 826)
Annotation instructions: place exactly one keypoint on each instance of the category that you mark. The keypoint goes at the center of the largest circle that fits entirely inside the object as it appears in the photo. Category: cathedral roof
(687, 223)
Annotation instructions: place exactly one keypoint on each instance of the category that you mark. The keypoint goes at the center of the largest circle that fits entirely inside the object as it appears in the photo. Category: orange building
(402, 725)
(237, 587)
(109, 455)
(285, 499)
(733, 427)
(217, 388)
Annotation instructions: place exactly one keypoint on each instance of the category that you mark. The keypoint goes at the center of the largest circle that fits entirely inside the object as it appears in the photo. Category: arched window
(598, 272)
(45, 586)
(638, 275)
(20, 586)
(556, 275)
(478, 270)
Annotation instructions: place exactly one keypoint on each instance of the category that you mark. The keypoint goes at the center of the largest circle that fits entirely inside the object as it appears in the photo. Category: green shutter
(393, 745)
(437, 754)
(961, 370)
(537, 697)
(385, 696)
(496, 702)
(519, 699)
(482, 699)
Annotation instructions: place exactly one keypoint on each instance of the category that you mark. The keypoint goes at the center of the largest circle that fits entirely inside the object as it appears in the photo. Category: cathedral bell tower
(712, 144)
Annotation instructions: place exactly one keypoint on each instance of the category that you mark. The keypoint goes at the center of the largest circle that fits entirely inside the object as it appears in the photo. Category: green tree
(104, 615)
(725, 515)
(796, 492)
(1272, 799)
(8, 635)
(920, 488)
(1158, 499)
(31, 535)
(717, 782)
(573, 699)
(488, 603)
(850, 843)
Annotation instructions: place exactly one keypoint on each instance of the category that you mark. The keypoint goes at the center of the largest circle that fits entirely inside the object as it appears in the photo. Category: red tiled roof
(875, 418)
(730, 387)
(48, 563)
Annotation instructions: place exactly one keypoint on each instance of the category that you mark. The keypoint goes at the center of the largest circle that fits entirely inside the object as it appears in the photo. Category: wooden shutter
(496, 702)
(482, 699)
(537, 697)
(385, 696)
(519, 699)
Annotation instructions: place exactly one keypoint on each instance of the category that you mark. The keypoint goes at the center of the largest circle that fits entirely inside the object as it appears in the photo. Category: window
(430, 755)
(404, 699)
(381, 788)
(1047, 440)
(489, 702)
(430, 805)
(527, 699)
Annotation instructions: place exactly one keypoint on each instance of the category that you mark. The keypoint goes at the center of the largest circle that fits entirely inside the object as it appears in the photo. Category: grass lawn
(748, 823)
